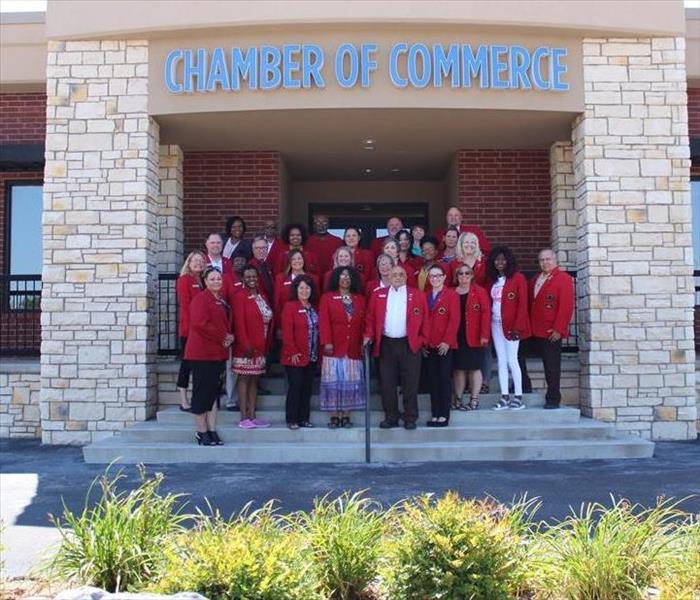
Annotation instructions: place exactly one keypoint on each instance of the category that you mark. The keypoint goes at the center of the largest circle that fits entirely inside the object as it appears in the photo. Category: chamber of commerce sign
(306, 66)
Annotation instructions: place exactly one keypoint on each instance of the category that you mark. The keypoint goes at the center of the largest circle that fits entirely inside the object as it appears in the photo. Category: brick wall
(694, 112)
(507, 193)
(22, 118)
(218, 185)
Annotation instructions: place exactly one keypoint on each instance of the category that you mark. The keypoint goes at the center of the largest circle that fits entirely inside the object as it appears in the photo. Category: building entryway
(370, 217)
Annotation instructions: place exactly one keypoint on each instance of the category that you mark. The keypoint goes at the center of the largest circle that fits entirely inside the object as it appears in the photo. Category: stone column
(631, 162)
(561, 171)
(171, 233)
(100, 241)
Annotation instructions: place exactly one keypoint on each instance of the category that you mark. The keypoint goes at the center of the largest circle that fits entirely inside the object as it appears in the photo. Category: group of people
(425, 304)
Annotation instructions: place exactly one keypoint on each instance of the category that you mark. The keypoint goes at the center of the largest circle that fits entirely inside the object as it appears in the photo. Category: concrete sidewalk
(35, 479)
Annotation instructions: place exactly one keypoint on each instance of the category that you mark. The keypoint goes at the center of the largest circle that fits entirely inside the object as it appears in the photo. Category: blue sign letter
(270, 59)
(444, 64)
(397, 79)
(538, 80)
(367, 63)
(174, 56)
(558, 70)
(351, 52)
(312, 63)
(290, 66)
(416, 81)
(197, 70)
(519, 64)
(498, 66)
(473, 65)
(244, 68)
(218, 73)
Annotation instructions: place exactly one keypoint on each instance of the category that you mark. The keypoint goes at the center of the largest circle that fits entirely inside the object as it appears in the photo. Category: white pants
(507, 356)
(231, 379)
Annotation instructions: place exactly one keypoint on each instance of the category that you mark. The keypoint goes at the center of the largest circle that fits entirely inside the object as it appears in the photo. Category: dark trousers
(550, 353)
(398, 364)
(439, 370)
(300, 382)
(183, 376)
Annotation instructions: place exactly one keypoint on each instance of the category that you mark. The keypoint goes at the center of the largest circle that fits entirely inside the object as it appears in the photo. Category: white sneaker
(502, 404)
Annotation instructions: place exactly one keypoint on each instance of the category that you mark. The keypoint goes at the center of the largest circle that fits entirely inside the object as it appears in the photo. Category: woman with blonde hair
(188, 285)
(342, 257)
(468, 252)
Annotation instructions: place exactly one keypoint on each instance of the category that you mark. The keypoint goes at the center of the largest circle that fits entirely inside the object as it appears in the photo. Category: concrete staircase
(530, 434)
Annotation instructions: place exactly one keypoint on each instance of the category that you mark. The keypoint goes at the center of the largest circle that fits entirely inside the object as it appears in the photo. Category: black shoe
(234, 408)
(306, 425)
(334, 423)
(204, 439)
(346, 423)
(409, 425)
(431, 424)
(183, 409)
(388, 424)
(550, 405)
(215, 438)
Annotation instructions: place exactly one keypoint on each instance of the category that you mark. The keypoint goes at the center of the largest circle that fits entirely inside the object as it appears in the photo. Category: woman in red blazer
(342, 257)
(294, 236)
(469, 253)
(443, 308)
(300, 350)
(253, 327)
(472, 338)
(341, 324)
(296, 266)
(207, 349)
(384, 266)
(405, 258)
(363, 260)
(189, 284)
(509, 321)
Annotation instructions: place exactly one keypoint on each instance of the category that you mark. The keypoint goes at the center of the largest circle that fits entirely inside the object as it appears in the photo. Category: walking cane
(368, 458)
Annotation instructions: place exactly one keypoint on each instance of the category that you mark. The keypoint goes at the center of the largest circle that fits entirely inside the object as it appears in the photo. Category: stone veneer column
(100, 240)
(631, 161)
(171, 233)
(564, 216)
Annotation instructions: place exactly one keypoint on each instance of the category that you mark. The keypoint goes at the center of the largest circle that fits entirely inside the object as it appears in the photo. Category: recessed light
(368, 171)
(369, 142)
(395, 170)
(369, 147)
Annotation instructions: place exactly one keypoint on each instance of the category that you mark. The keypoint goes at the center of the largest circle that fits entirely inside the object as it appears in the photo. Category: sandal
(473, 403)
(346, 423)
(457, 404)
(334, 423)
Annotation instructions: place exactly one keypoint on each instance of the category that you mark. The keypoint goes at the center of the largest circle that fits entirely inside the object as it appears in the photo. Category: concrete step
(585, 429)
(531, 416)
(276, 401)
(127, 452)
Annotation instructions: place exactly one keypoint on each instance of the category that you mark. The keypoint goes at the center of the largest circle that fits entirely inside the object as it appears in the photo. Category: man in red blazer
(323, 244)
(275, 245)
(215, 258)
(551, 308)
(397, 325)
(454, 219)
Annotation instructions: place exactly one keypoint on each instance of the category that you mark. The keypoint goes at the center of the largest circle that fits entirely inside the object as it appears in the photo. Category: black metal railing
(696, 278)
(168, 339)
(20, 315)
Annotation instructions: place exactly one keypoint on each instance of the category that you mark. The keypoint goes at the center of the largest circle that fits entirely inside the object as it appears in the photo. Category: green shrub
(605, 553)
(118, 543)
(344, 537)
(680, 579)
(250, 557)
(454, 549)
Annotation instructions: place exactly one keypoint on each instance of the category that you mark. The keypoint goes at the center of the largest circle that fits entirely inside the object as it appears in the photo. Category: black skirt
(466, 358)
(206, 375)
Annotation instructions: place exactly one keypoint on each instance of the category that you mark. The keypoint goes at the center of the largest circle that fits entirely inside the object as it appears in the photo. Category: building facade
(132, 134)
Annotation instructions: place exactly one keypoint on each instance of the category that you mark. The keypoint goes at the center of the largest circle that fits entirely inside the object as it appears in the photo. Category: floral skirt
(342, 384)
(249, 366)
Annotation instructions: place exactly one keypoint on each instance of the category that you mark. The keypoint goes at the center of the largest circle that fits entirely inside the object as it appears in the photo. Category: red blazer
(295, 334)
(323, 247)
(259, 266)
(228, 265)
(327, 279)
(364, 262)
(283, 285)
(553, 307)
(249, 329)
(484, 245)
(187, 287)
(514, 307)
(417, 319)
(278, 247)
(444, 319)
(210, 322)
(477, 316)
(479, 272)
(232, 286)
(310, 262)
(371, 287)
(335, 327)
(376, 246)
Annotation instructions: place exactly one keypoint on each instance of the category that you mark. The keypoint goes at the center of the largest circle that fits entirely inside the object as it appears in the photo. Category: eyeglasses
(464, 273)
(436, 275)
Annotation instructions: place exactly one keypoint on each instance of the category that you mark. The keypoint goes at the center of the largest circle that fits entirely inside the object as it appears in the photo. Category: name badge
(287, 283)
(381, 295)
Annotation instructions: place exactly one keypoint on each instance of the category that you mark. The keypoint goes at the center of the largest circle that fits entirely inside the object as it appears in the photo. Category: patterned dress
(343, 380)
(255, 365)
